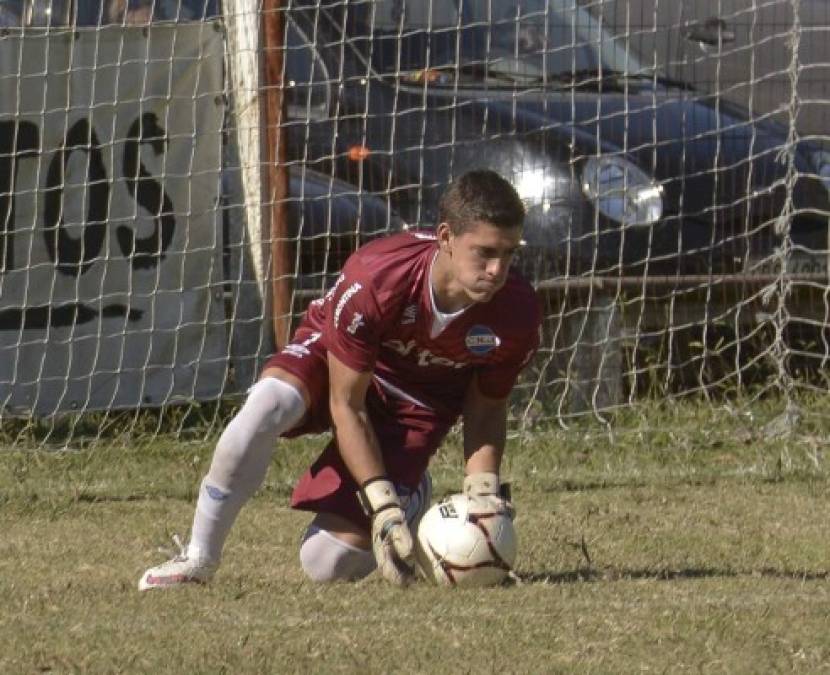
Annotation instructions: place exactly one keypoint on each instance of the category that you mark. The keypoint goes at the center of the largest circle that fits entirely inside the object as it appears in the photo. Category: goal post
(276, 172)
(248, 236)
(255, 66)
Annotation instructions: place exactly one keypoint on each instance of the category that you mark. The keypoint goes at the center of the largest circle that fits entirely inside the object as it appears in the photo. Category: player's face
(480, 257)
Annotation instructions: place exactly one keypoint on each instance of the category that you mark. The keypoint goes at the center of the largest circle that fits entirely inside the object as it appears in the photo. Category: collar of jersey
(440, 320)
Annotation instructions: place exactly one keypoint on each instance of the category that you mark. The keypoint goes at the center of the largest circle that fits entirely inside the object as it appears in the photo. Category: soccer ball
(455, 548)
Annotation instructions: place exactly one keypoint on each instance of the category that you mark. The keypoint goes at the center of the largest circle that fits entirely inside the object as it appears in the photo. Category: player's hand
(487, 495)
(391, 539)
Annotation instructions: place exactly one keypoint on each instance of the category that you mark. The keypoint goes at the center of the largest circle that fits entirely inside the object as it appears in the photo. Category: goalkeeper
(419, 329)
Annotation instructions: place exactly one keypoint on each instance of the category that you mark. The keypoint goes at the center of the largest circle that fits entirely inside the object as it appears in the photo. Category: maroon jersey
(379, 316)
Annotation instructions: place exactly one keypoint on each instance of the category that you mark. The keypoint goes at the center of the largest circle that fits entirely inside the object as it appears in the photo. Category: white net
(671, 155)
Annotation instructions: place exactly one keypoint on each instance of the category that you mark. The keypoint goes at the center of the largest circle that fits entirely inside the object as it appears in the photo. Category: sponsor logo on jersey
(347, 295)
(481, 340)
(422, 356)
(409, 315)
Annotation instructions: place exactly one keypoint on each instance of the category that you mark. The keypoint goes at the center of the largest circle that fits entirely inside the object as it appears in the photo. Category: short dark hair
(481, 195)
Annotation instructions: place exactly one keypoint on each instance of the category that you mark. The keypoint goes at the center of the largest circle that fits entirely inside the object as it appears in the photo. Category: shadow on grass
(717, 477)
(587, 485)
(619, 574)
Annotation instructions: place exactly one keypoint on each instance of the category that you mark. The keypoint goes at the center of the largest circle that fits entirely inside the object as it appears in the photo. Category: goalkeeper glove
(487, 495)
(391, 539)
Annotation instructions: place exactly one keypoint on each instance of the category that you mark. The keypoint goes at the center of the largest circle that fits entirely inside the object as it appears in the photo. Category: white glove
(391, 539)
(487, 495)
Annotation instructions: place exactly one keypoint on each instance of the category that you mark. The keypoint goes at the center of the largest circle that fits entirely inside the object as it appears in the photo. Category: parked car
(329, 219)
(741, 50)
(624, 170)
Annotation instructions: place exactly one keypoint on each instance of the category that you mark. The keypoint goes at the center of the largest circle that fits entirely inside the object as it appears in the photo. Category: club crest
(481, 340)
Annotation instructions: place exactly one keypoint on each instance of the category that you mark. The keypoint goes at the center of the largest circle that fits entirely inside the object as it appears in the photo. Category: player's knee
(325, 558)
(275, 406)
(272, 408)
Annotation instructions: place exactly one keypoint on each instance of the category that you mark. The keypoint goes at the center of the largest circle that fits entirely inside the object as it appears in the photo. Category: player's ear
(443, 233)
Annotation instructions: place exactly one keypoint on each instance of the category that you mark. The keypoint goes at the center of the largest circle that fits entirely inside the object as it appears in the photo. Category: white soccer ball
(455, 548)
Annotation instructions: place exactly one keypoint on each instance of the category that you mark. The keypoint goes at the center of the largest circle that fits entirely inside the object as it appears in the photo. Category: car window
(87, 13)
(526, 37)
(306, 78)
(11, 13)
(35, 13)
(416, 14)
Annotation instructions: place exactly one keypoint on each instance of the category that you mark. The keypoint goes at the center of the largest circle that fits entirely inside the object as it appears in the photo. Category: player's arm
(485, 430)
(391, 540)
(352, 427)
(485, 436)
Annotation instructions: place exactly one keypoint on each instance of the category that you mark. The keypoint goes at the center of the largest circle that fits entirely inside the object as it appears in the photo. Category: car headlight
(622, 191)
(541, 188)
(537, 185)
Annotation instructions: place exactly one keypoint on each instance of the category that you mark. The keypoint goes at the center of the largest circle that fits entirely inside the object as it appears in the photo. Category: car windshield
(518, 40)
(55, 13)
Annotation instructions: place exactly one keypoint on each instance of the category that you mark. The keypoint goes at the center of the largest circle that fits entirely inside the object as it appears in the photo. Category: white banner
(110, 235)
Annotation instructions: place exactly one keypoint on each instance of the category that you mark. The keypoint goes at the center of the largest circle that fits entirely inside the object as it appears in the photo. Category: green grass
(686, 538)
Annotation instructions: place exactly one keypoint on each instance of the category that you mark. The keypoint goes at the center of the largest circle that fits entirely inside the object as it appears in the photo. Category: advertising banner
(110, 231)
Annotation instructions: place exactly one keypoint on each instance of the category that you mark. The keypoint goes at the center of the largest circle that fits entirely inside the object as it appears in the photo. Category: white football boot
(181, 569)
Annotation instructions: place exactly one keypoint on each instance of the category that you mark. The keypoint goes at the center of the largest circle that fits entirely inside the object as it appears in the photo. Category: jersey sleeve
(498, 379)
(353, 320)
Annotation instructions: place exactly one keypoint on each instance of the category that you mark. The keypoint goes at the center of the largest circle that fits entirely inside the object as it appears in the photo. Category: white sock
(326, 558)
(240, 463)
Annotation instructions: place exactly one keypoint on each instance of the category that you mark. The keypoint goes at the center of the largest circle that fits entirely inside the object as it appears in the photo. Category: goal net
(672, 157)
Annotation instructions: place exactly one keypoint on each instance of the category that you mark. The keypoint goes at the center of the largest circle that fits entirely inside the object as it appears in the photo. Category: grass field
(691, 539)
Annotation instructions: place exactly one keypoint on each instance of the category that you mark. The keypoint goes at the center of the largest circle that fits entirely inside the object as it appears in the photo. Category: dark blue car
(329, 218)
(624, 171)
